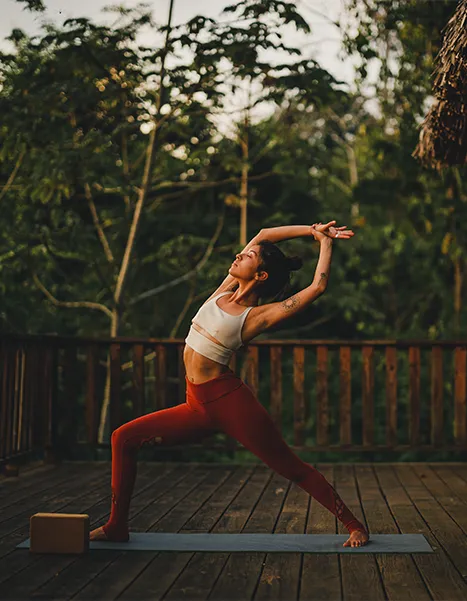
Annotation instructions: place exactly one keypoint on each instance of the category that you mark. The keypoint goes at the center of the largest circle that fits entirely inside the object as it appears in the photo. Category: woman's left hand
(341, 232)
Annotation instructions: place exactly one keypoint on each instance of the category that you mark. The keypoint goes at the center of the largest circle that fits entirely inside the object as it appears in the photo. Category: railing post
(322, 409)
(92, 408)
(345, 397)
(368, 418)
(460, 434)
(414, 394)
(70, 396)
(299, 395)
(115, 387)
(275, 353)
(138, 380)
(391, 396)
(51, 450)
(160, 385)
(436, 395)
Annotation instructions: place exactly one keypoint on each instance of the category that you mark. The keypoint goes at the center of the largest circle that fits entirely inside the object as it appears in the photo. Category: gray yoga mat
(266, 543)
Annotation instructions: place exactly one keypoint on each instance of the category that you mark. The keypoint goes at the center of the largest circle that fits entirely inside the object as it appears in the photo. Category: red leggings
(223, 404)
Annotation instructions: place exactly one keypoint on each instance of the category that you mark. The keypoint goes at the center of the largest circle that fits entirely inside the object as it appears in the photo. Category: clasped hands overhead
(328, 230)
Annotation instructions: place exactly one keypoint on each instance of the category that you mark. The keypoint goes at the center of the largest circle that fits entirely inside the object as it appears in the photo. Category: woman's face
(246, 264)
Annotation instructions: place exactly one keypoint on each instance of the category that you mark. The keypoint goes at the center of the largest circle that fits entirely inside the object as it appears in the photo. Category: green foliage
(75, 103)
(78, 102)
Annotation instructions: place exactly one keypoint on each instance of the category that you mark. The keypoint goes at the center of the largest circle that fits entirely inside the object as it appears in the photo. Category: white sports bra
(221, 325)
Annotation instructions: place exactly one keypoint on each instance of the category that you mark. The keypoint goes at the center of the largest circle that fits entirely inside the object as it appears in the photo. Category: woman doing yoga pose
(217, 400)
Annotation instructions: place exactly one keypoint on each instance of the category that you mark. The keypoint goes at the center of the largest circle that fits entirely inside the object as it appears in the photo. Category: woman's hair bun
(294, 263)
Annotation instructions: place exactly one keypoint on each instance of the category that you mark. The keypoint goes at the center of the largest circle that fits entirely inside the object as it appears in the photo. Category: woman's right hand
(320, 231)
(330, 231)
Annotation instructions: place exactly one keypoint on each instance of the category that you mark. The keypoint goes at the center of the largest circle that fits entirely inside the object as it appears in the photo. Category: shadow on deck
(427, 498)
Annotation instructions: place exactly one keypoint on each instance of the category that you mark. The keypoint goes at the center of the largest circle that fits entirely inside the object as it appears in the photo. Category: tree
(113, 106)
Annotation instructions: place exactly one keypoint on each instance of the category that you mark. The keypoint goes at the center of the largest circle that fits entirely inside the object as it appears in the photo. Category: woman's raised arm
(273, 313)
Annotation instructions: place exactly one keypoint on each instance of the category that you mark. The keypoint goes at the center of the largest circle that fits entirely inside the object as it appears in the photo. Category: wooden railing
(324, 395)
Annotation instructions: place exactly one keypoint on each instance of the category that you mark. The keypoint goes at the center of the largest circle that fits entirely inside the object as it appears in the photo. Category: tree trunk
(457, 293)
(104, 425)
(244, 184)
(353, 171)
(123, 273)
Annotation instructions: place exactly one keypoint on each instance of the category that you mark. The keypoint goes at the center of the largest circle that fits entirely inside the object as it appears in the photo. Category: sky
(323, 43)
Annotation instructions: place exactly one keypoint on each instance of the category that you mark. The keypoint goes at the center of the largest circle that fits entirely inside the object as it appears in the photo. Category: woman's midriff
(198, 368)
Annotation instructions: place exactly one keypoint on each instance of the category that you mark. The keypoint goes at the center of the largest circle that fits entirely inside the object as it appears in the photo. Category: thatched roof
(443, 138)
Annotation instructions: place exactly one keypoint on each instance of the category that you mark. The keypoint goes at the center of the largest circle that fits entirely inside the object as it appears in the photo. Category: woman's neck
(245, 295)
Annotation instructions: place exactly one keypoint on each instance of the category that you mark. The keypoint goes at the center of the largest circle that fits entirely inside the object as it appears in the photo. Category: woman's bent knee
(120, 435)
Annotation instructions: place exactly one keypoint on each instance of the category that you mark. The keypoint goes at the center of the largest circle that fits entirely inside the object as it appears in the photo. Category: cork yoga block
(59, 533)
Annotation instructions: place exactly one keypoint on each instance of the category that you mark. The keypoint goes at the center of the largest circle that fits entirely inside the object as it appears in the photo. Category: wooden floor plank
(321, 577)
(48, 502)
(227, 511)
(35, 570)
(13, 530)
(46, 481)
(418, 497)
(62, 486)
(13, 561)
(460, 469)
(169, 513)
(440, 576)
(451, 479)
(280, 577)
(76, 575)
(26, 480)
(399, 573)
(361, 578)
(446, 512)
(240, 576)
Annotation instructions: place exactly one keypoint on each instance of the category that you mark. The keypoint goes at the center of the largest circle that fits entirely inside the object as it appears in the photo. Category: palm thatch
(443, 137)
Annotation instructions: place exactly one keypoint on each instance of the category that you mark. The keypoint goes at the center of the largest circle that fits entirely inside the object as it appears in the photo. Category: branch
(147, 174)
(126, 169)
(198, 185)
(340, 184)
(11, 179)
(71, 305)
(204, 294)
(323, 15)
(138, 160)
(116, 190)
(192, 189)
(12, 253)
(97, 223)
(188, 275)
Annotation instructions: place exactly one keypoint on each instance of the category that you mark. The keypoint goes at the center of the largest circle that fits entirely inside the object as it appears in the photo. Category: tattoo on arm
(322, 278)
(291, 303)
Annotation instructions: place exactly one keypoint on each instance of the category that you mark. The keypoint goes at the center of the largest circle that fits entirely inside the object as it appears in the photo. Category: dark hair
(278, 267)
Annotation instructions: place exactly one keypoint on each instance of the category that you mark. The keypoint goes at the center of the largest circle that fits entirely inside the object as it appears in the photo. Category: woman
(216, 399)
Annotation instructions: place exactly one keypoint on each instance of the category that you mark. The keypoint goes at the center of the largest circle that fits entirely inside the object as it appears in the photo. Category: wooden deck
(174, 497)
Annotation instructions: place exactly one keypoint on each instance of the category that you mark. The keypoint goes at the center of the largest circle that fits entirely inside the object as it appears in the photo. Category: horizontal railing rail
(324, 395)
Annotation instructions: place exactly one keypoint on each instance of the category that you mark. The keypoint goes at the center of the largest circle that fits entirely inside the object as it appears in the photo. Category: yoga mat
(266, 543)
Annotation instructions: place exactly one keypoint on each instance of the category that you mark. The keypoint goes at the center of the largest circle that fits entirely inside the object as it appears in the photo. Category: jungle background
(122, 190)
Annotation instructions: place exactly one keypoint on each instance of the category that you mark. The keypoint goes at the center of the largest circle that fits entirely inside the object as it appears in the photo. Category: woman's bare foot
(358, 538)
(98, 534)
